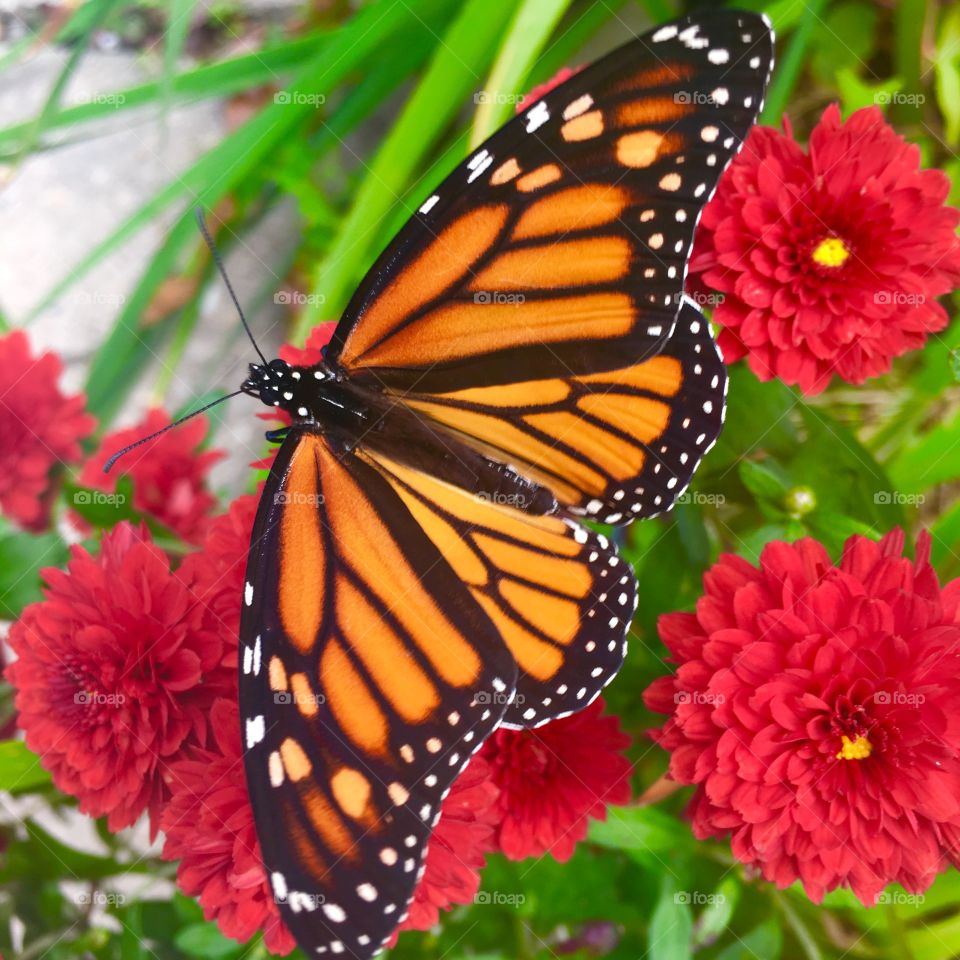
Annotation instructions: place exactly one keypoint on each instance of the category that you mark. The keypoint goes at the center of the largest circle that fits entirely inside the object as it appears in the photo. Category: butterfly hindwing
(369, 676)
(559, 246)
(617, 445)
(557, 593)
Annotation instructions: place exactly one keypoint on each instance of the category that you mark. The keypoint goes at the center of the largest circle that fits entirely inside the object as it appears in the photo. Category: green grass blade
(211, 80)
(179, 17)
(102, 9)
(533, 23)
(788, 71)
(249, 147)
(467, 48)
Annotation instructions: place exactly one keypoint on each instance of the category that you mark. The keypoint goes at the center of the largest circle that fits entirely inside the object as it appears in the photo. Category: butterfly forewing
(559, 246)
(369, 676)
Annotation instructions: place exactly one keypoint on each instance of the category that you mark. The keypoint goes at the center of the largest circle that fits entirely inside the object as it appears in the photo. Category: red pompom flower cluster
(40, 430)
(814, 706)
(828, 262)
(127, 689)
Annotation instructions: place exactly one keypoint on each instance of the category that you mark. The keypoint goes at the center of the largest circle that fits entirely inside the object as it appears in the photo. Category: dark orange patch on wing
(353, 706)
(659, 76)
(533, 655)
(647, 110)
(327, 822)
(663, 375)
(525, 393)
(559, 619)
(575, 208)
(455, 330)
(643, 419)
(618, 457)
(560, 573)
(504, 436)
(590, 260)
(384, 654)
(307, 852)
(302, 556)
(535, 179)
(444, 261)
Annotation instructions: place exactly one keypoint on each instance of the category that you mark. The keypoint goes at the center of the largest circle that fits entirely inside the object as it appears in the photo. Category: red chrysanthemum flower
(210, 829)
(828, 261)
(458, 848)
(111, 673)
(40, 428)
(169, 473)
(554, 778)
(312, 351)
(815, 708)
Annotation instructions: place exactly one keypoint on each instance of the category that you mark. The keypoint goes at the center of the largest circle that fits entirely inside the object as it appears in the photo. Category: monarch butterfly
(520, 357)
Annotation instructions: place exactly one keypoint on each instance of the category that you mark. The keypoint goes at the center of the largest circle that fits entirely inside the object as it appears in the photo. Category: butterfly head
(278, 384)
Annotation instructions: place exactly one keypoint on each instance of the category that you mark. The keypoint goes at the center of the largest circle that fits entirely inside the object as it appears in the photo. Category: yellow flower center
(857, 749)
(830, 252)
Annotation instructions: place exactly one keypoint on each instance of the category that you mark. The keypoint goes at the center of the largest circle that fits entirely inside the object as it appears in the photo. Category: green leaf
(764, 941)
(788, 71)
(856, 92)
(763, 480)
(671, 925)
(206, 940)
(22, 557)
(946, 65)
(533, 23)
(843, 40)
(20, 770)
(716, 915)
(646, 831)
(101, 509)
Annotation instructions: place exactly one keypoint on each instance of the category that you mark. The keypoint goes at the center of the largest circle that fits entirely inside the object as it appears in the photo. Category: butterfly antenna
(169, 426)
(215, 253)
